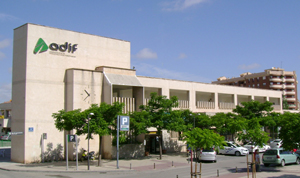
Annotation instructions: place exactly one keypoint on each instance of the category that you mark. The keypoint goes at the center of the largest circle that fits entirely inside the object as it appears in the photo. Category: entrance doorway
(152, 144)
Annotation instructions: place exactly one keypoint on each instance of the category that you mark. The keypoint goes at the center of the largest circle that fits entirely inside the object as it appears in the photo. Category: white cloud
(182, 56)
(146, 53)
(153, 71)
(7, 17)
(248, 67)
(4, 43)
(5, 92)
(178, 5)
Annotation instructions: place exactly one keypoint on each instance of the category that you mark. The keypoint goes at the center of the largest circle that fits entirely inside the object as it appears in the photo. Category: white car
(277, 143)
(252, 147)
(207, 155)
(232, 149)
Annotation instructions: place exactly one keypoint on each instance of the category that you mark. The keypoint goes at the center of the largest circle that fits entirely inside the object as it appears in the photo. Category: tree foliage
(101, 123)
(198, 138)
(289, 130)
(160, 114)
(254, 114)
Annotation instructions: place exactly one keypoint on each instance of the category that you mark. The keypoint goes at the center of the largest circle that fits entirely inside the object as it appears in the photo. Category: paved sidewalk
(169, 161)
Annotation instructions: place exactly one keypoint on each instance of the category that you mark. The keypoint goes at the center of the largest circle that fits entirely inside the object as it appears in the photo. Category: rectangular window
(253, 85)
(257, 85)
(264, 77)
(264, 84)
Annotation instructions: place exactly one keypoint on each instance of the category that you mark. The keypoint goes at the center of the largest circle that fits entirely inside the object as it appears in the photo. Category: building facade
(275, 79)
(5, 118)
(54, 69)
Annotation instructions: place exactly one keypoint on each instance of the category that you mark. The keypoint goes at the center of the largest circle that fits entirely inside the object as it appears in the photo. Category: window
(278, 83)
(257, 85)
(257, 78)
(264, 84)
(253, 86)
(271, 83)
(264, 77)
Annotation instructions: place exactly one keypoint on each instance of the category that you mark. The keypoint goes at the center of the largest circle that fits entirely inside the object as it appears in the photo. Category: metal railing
(129, 103)
(205, 105)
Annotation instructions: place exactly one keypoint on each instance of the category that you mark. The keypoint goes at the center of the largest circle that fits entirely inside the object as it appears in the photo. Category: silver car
(207, 155)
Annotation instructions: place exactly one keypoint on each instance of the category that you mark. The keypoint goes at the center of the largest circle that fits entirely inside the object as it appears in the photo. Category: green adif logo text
(41, 46)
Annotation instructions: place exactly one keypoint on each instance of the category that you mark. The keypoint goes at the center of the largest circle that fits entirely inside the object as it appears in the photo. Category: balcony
(276, 80)
(276, 107)
(291, 99)
(292, 106)
(205, 105)
(223, 105)
(290, 80)
(277, 86)
(289, 86)
(289, 93)
(129, 104)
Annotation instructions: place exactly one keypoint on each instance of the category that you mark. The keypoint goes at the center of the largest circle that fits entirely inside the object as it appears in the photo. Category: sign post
(122, 125)
(71, 138)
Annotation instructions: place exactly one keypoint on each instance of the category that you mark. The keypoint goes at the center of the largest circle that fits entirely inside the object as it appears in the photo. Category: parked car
(232, 149)
(5, 137)
(252, 147)
(207, 155)
(277, 143)
(280, 156)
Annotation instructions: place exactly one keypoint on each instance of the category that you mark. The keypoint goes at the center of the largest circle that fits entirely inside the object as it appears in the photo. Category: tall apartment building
(274, 79)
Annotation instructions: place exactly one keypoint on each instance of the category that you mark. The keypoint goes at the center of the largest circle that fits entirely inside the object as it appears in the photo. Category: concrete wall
(129, 151)
(38, 87)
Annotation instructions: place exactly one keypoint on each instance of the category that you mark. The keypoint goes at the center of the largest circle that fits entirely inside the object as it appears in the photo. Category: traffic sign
(124, 123)
(71, 138)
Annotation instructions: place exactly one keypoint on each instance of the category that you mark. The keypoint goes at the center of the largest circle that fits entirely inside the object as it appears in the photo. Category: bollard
(172, 164)
(130, 166)
(154, 165)
(217, 172)
(236, 170)
(176, 176)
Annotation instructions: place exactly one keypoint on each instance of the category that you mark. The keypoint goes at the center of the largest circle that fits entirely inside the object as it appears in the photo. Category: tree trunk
(100, 151)
(160, 148)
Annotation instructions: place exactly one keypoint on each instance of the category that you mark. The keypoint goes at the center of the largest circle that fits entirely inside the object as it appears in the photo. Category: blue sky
(194, 40)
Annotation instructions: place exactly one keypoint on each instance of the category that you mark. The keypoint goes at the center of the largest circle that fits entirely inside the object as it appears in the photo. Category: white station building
(54, 68)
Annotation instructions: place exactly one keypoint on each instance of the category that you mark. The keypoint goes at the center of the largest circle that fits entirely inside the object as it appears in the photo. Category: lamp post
(90, 114)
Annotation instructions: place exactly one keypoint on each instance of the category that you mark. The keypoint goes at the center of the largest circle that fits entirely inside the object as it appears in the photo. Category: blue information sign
(30, 129)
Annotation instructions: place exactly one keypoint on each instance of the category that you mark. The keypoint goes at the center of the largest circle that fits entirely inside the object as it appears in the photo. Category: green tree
(161, 116)
(101, 123)
(228, 123)
(285, 104)
(198, 138)
(289, 131)
(254, 114)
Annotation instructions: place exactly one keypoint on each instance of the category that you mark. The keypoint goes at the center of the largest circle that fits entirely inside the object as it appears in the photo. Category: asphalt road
(225, 165)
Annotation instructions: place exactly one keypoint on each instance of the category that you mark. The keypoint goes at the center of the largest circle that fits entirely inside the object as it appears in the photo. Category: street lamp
(90, 114)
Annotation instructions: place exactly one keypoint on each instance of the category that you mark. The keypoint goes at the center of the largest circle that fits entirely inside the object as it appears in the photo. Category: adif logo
(41, 46)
